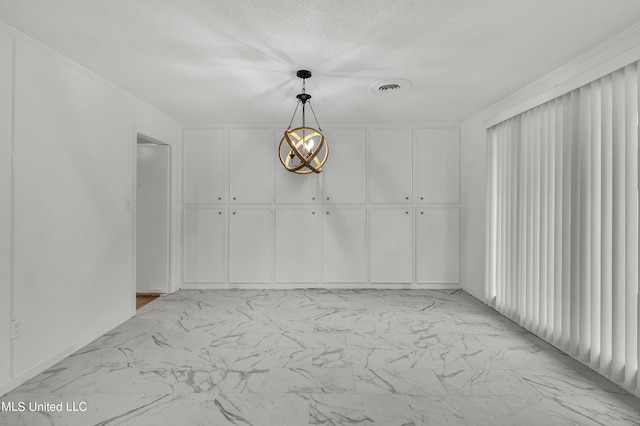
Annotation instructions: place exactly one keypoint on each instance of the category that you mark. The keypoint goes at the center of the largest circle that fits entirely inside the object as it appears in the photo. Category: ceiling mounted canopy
(303, 149)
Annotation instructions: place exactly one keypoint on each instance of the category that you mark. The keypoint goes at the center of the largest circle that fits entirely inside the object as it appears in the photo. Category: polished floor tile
(319, 357)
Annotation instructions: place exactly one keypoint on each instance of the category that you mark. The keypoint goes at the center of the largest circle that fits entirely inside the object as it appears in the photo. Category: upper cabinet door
(204, 160)
(390, 166)
(344, 177)
(438, 171)
(252, 160)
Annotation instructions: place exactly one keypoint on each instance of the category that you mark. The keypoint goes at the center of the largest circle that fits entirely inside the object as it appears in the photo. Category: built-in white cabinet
(437, 244)
(344, 245)
(204, 160)
(390, 166)
(344, 178)
(298, 241)
(438, 173)
(391, 245)
(384, 211)
(252, 160)
(251, 248)
(203, 245)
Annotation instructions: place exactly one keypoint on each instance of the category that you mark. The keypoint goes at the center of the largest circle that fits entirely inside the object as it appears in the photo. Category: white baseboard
(158, 290)
(287, 286)
(14, 382)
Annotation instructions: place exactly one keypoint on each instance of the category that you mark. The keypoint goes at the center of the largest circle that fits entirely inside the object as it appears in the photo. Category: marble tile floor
(319, 357)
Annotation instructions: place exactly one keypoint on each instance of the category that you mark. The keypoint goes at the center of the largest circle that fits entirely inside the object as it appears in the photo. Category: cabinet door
(203, 245)
(252, 159)
(204, 161)
(344, 177)
(390, 166)
(391, 245)
(298, 245)
(293, 188)
(344, 251)
(251, 245)
(438, 171)
(437, 245)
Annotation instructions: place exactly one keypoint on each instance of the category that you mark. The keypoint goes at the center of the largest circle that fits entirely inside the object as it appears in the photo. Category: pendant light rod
(293, 116)
(314, 116)
(303, 97)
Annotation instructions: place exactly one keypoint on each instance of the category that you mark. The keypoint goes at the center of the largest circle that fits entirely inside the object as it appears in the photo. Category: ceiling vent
(386, 87)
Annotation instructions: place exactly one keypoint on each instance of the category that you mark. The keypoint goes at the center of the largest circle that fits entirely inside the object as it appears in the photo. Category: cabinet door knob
(327, 212)
(327, 198)
(422, 198)
(219, 212)
(219, 198)
(234, 198)
(406, 198)
(421, 212)
(406, 212)
(234, 212)
(313, 198)
(313, 212)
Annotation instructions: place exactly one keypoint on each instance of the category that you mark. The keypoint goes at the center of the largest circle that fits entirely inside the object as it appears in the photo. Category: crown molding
(604, 59)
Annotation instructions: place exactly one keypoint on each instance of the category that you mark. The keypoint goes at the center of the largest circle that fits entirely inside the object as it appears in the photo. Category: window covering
(562, 223)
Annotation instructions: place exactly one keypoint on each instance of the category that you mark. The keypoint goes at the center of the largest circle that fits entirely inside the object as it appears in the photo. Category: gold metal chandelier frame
(301, 141)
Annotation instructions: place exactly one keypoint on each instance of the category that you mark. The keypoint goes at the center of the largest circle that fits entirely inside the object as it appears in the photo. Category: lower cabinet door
(251, 245)
(437, 245)
(344, 239)
(203, 245)
(391, 245)
(298, 245)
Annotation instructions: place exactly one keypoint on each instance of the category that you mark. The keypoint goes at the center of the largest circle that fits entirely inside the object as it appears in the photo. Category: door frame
(143, 138)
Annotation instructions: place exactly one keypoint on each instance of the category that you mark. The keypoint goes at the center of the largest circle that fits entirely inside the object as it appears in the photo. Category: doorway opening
(152, 209)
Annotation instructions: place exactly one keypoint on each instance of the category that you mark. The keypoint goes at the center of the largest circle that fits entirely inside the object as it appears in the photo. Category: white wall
(73, 144)
(6, 89)
(472, 198)
(604, 59)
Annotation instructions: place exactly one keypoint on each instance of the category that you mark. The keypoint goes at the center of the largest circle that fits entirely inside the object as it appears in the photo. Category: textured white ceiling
(234, 61)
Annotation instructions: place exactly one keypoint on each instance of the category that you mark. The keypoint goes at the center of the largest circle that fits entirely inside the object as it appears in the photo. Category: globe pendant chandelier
(303, 150)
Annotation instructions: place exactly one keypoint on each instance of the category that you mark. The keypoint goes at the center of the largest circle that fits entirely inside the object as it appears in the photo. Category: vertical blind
(562, 231)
